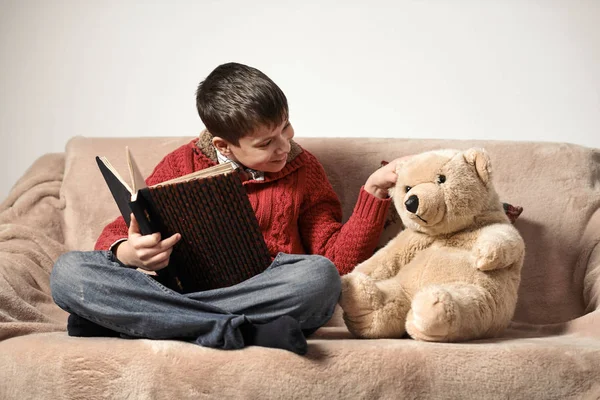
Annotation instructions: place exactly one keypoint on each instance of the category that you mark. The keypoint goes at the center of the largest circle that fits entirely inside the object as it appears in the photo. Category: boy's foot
(78, 326)
(282, 333)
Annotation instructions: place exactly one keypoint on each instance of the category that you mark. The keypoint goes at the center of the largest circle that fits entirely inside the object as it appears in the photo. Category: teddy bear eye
(407, 188)
(441, 178)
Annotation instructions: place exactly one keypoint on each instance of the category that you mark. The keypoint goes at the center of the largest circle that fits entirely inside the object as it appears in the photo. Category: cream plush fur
(453, 273)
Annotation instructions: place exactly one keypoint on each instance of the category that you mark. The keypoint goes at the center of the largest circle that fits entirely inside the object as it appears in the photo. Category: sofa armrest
(591, 281)
(31, 236)
(589, 262)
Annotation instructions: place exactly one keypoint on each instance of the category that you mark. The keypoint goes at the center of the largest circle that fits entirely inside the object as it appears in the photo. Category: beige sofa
(551, 351)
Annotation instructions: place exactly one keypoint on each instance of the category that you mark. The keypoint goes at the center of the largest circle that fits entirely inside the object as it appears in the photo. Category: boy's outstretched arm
(349, 244)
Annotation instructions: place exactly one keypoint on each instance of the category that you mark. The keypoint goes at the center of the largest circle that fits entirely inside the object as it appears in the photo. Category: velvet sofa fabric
(550, 351)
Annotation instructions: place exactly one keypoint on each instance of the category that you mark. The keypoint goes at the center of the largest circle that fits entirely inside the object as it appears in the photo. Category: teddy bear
(453, 273)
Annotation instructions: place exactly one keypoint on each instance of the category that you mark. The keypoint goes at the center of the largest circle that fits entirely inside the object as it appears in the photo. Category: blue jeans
(97, 287)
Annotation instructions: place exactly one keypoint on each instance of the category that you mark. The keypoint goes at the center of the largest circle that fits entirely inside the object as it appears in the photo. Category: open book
(221, 242)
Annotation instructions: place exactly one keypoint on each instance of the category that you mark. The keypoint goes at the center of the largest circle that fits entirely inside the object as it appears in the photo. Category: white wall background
(487, 69)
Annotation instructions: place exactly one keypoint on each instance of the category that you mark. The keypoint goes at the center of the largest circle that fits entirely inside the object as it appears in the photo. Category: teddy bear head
(444, 191)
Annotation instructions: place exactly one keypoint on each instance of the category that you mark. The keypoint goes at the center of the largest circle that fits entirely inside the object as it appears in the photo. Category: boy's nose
(286, 146)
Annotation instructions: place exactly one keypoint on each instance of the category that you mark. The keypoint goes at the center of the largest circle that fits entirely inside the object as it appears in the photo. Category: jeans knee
(61, 270)
(58, 277)
(317, 291)
(324, 281)
(66, 276)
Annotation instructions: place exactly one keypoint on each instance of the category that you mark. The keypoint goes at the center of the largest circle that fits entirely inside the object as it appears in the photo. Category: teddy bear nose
(412, 204)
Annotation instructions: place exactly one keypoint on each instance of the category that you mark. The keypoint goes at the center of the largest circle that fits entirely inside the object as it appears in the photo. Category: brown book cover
(221, 243)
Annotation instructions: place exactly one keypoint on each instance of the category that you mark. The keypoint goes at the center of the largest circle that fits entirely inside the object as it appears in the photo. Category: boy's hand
(145, 251)
(384, 178)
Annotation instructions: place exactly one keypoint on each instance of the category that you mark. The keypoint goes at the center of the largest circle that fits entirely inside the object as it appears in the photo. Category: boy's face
(266, 149)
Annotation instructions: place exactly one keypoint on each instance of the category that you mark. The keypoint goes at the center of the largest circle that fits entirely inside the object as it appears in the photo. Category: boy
(246, 119)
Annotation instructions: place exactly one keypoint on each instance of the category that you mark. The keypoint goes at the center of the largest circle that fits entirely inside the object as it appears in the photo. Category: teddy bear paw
(432, 315)
(359, 294)
(487, 257)
(360, 300)
(494, 254)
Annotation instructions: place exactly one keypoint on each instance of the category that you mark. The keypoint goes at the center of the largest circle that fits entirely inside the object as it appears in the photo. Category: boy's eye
(265, 144)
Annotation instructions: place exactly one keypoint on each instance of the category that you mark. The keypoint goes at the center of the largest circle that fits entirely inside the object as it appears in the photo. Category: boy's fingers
(164, 246)
(386, 177)
(392, 165)
(158, 262)
(147, 240)
(170, 241)
(134, 228)
(392, 178)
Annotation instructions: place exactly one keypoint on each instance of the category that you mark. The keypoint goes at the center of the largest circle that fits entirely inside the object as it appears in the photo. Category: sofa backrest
(557, 184)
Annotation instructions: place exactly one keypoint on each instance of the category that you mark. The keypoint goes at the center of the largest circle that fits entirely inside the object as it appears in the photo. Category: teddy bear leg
(453, 312)
(371, 310)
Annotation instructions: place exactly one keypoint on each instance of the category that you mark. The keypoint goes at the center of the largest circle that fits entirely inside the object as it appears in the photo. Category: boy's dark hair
(235, 99)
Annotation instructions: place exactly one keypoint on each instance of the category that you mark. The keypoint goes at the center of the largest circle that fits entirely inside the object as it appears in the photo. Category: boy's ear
(222, 145)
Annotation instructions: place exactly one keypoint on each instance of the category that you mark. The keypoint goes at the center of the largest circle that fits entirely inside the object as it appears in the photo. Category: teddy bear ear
(400, 162)
(480, 159)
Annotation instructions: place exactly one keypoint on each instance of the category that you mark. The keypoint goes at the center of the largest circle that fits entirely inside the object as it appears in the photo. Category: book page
(137, 180)
(203, 173)
(114, 172)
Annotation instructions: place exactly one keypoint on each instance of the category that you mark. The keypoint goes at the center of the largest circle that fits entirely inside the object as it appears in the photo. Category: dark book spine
(160, 198)
(145, 213)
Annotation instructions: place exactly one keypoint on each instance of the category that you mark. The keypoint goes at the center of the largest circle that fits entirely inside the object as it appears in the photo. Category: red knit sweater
(297, 209)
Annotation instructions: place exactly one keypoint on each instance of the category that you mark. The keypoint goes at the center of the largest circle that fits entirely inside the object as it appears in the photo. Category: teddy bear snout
(412, 204)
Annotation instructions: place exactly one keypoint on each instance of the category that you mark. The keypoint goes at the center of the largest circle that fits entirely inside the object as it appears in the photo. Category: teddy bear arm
(377, 265)
(498, 246)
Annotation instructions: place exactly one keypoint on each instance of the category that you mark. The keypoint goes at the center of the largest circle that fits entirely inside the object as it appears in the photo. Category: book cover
(221, 243)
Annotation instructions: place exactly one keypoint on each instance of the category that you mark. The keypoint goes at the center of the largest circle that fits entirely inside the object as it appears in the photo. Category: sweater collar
(294, 159)
(255, 174)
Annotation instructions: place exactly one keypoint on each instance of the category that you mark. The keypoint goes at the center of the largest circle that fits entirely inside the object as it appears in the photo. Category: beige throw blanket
(30, 241)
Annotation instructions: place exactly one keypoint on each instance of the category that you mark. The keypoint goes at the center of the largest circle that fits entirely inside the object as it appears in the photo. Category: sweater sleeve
(167, 168)
(322, 232)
